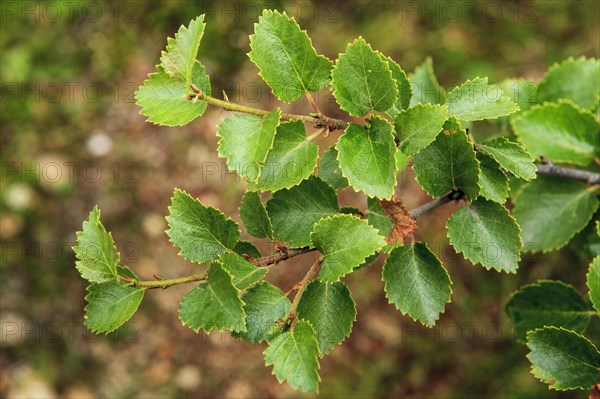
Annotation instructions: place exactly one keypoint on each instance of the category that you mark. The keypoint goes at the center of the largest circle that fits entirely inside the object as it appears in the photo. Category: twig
(549, 169)
(314, 269)
(318, 120)
(436, 203)
(166, 283)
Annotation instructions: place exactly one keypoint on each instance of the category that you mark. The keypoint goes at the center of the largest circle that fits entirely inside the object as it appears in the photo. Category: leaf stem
(318, 120)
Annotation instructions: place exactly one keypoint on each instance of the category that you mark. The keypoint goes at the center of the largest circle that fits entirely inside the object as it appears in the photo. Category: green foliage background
(69, 71)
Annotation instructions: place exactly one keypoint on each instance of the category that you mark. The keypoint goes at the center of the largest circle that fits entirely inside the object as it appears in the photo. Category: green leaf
(201, 232)
(593, 283)
(329, 169)
(449, 163)
(367, 157)
(254, 215)
(244, 273)
(547, 303)
(124, 271)
(511, 156)
(362, 80)
(291, 160)
(560, 131)
(476, 100)
(97, 256)
(110, 304)
(417, 283)
(294, 212)
(331, 311)
(494, 183)
(418, 126)
(245, 141)
(486, 233)
(577, 80)
(246, 248)
(425, 86)
(294, 357)
(214, 304)
(551, 211)
(402, 84)
(521, 91)
(345, 242)
(563, 359)
(265, 304)
(164, 100)
(377, 217)
(286, 57)
(401, 161)
(182, 51)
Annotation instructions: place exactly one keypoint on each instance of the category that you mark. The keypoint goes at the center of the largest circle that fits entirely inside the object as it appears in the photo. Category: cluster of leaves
(550, 317)
(408, 118)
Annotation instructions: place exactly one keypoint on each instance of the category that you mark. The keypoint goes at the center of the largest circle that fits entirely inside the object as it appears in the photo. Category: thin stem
(574, 174)
(167, 283)
(272, 260)
(314, 269)
(548, 168)
(318, 120)
(436, 203)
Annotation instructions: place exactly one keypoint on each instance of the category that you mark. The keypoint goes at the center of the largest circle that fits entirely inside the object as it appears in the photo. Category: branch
(283, 255)
(165, 283)
(436, 203)
(549, 169)
(317, 120)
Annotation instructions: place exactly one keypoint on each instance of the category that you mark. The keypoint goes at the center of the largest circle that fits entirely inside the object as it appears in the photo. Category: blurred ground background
(72, 137)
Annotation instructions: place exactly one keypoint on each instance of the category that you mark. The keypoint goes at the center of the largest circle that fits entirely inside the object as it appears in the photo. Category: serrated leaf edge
(428, 65)
(596, 306)
(172, 41)
(98, 330)
(317, 360)
(259, 161)
(429, 106)
(322, 355)
(486, 81)
(345, 216)
(408, 314)
(76, 248)
(288, 185)
(505, 184)
(293, 20)
(535, 371)
(270, 233)
(379, 54)
(555, 105)
(551, 249)
(356, 189)
(213, 326)
(538, 283)
(505, 140)
(510, 216)
(419, 179)
(227, 219)
(150, 118)
(558, 64)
